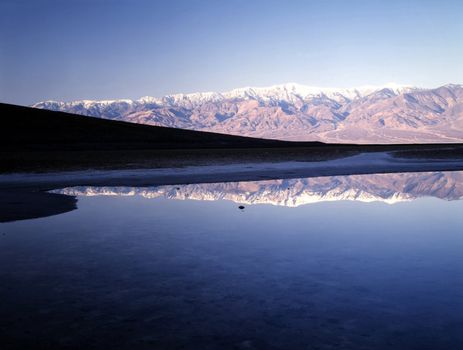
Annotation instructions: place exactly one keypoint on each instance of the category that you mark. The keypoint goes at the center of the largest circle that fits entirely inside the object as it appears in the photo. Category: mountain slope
(385, 114)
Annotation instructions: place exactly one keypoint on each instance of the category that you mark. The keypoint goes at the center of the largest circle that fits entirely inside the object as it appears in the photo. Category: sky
(95, 49)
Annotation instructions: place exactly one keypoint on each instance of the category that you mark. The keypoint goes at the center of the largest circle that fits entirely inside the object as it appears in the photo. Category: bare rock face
(387, 114)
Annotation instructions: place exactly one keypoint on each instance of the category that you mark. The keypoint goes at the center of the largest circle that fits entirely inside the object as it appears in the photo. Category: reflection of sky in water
(133, 272)
(389, 188)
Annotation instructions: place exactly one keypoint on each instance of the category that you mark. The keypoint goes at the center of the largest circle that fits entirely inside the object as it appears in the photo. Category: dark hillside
(38, 129)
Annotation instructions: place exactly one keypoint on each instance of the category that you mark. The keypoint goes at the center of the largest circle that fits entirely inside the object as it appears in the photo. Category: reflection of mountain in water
(389, 188)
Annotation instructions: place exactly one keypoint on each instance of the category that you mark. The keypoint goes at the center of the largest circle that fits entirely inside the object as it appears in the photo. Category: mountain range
(387, 188)
(372, 114)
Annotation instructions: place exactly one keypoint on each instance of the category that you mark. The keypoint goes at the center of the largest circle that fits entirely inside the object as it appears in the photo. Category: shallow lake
(345, 262)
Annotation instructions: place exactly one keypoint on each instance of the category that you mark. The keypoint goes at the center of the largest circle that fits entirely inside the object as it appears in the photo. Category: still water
(346, 262)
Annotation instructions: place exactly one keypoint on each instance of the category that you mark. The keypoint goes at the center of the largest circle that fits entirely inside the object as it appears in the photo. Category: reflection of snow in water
(388, 188)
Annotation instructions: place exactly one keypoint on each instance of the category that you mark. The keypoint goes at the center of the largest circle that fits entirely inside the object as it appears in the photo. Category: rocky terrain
(384, 114)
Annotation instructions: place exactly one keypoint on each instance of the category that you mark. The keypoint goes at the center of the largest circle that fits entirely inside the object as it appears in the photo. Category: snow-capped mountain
(371, 114)
(388, 188)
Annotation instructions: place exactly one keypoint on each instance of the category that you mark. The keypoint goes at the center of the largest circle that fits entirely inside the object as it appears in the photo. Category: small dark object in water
(241, 207)
(177, 188)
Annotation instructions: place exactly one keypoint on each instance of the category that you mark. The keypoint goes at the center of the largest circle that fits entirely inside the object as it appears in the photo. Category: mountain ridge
(390, 113)
(299, 89)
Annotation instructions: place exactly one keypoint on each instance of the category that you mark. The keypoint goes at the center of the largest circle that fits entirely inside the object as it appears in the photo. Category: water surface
(362, 262)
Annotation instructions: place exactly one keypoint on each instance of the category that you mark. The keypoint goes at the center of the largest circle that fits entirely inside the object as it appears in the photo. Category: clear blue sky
(95, 49)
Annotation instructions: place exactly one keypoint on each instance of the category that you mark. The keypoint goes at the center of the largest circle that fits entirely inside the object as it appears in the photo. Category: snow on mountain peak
(291, 91)
(285, 92)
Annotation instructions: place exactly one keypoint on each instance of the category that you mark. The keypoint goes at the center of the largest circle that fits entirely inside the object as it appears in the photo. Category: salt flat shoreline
(365, 163)
(25, 196)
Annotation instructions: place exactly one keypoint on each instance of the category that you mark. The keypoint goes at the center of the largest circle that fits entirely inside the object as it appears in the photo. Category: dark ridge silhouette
(31, 128)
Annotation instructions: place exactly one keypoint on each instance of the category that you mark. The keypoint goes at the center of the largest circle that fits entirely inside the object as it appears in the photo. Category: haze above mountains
(372, 114)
